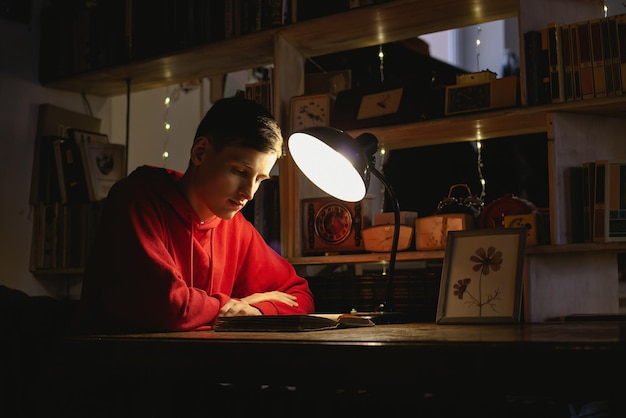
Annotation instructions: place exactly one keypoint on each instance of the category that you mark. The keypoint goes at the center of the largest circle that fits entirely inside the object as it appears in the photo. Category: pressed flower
(487, 260)
(460, 287)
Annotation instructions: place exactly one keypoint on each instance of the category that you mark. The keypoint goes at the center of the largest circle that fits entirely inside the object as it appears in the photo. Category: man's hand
(236, 307)
(243, 307)
(277, 296)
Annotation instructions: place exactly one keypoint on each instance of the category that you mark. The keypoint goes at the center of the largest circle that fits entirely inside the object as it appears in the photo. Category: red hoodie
(155, 266)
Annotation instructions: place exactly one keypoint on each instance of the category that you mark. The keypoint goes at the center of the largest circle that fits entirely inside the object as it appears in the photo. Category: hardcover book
(290, 323)
(584, 56)
(555, 59)
(597, 58)
(70, 173)
(620, 22)
(610, 201)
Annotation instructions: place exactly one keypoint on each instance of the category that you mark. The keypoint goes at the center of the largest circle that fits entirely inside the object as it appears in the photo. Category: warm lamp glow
(326, 168)
(341, 165)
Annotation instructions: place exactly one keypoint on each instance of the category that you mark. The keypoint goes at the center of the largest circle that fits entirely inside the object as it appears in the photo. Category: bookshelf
(289, 46)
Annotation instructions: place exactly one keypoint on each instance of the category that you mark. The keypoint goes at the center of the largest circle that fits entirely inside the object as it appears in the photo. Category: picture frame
(482, 276)
(104, 164)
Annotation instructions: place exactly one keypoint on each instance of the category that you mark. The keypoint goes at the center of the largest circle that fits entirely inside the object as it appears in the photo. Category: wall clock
(307, 111)
(332, 226)
(380, 104)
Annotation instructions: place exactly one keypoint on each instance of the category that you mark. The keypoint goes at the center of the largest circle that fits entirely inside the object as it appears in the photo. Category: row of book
(74, 167)
(62, 235)
(87, 35)
(576, 61)
(599, 201)
(81, 167)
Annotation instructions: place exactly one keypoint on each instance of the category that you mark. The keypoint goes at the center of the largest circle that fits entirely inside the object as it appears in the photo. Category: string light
(167, 126)
(478, 30)
(381, 58)
(479, 163)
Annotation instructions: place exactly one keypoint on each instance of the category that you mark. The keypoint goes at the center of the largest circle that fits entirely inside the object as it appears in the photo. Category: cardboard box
(431, 232)
(480, 96)
(386, 218)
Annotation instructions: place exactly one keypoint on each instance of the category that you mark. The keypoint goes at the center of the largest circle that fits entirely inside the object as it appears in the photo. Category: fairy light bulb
(478, 30)
(381, 58)
(479, 166)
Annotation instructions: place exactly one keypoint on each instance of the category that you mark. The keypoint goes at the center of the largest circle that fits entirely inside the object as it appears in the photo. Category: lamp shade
(333, 160)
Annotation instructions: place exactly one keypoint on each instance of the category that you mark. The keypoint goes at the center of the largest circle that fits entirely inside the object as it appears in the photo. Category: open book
(290, 323)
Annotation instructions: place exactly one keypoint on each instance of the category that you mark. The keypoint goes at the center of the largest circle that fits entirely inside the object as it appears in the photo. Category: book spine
(599, 202)
(568, 77)
(606, 55)
(597, 58)
(588, 181)
(575, 61)
(537, 73)
(584, 55)
(229, 19)
(620, 36)
(555, 59)
(615, 56)
(57, 146)
(615, 214)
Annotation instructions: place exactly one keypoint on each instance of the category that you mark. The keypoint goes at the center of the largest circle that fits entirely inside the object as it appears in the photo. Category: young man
(172, 252)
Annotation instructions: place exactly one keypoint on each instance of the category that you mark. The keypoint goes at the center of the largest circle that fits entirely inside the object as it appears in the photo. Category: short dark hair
(243, 122)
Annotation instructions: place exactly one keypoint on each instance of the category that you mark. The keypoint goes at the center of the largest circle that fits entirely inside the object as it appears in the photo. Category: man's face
(226, 180)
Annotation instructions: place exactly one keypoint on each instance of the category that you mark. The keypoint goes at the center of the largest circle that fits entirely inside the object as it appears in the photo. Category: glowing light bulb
(167, 126)
(165, 155)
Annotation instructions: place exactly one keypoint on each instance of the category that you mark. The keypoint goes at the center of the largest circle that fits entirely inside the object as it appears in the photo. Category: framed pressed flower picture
(481, 280)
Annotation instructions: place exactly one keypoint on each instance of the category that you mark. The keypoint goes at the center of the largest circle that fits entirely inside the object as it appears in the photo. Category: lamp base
(384, 317)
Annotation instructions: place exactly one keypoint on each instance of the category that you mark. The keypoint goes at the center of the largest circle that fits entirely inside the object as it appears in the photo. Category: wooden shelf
(366, 26)
(485, 125)
(439, 254)
(390, 22)
(217, 58)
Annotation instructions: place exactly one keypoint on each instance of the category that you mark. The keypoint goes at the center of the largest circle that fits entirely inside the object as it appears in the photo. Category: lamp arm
(387, 304)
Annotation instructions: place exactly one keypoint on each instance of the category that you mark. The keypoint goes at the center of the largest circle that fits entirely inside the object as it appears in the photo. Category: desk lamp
(341, 165)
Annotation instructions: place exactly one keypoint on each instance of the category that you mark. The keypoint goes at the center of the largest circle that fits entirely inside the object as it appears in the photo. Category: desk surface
(606, 335)
(560, 355)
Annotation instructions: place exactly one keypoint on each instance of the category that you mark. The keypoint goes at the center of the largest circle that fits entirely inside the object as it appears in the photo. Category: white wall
(458, 46)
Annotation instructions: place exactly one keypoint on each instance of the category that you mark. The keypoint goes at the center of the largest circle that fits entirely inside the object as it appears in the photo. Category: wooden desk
(582, 360)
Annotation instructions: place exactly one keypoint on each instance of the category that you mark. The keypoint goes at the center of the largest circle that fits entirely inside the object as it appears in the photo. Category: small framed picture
(104, 164)
(481, 280)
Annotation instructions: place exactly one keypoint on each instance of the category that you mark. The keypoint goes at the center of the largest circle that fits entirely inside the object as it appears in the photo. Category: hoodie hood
(163, 184)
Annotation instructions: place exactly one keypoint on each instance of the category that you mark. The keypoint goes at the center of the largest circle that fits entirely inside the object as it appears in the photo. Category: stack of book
(576, 61)
(599, 200)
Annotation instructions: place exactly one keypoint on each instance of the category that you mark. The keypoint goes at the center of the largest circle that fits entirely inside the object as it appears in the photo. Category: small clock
(333, 226)
(468, 98)
(333, 222)
(380, 104)
(307, 111)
